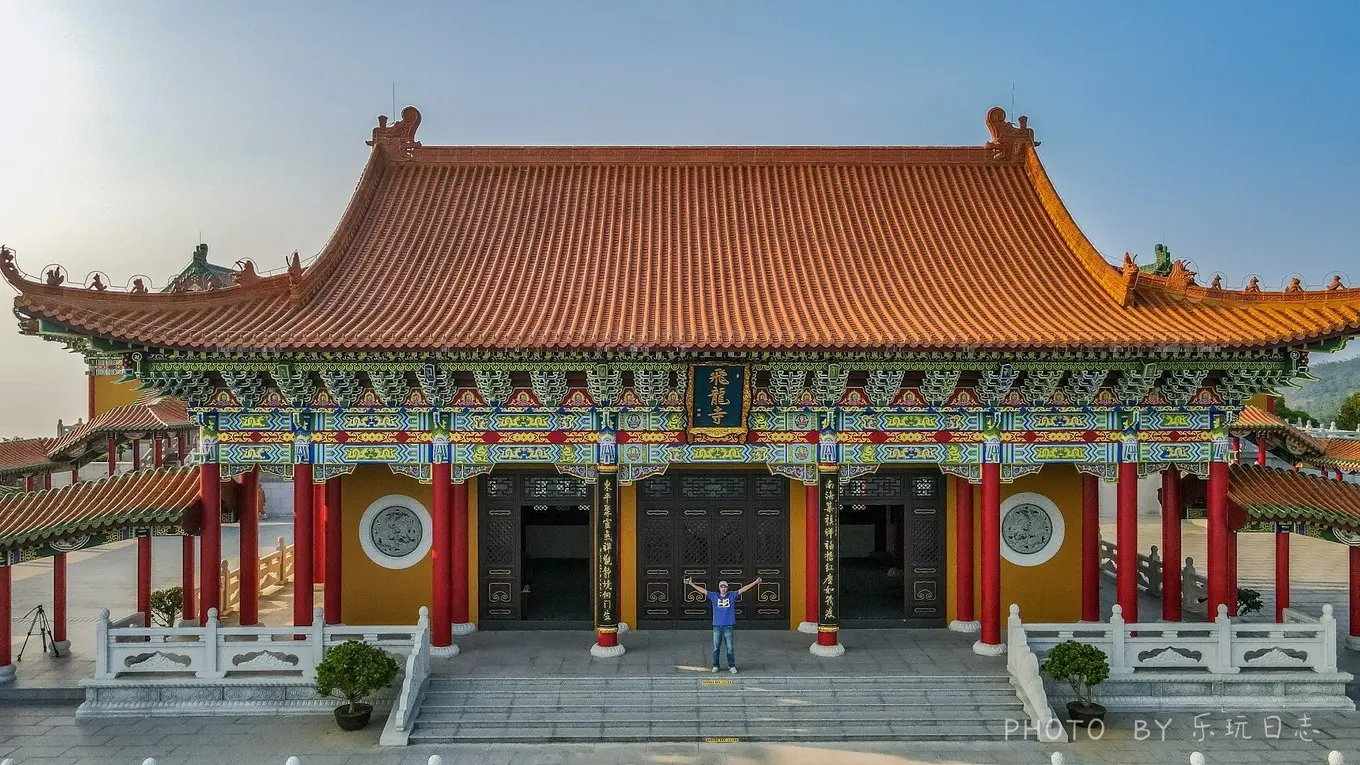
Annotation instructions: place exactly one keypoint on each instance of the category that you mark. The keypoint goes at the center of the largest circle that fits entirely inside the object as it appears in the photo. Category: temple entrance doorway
(892, 544)
(712, 526)
(534, 551)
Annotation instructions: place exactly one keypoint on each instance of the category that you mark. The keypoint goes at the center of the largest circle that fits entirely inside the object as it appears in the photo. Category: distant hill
(1336, 380)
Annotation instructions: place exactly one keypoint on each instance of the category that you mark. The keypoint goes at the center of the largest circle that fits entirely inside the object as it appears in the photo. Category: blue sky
(1225, 129)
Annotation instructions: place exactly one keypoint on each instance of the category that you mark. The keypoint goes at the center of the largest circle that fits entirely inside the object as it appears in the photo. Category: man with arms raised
(724, 618)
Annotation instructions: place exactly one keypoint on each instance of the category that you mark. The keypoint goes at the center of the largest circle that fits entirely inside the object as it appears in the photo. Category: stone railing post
(224, 588)
(1223, 660)
(282, 551)
(1154, 573)
(1328, 626)
(1118, 659)
(211, 656)
(318, 638)
(101, 646)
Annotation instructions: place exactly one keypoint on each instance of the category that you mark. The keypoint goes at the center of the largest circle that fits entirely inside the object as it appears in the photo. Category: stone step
(745, 707)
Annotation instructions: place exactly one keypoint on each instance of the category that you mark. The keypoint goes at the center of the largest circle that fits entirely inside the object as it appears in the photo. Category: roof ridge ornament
(1008, 141)
(397, 141)
(1129, 273)
(1180, 278)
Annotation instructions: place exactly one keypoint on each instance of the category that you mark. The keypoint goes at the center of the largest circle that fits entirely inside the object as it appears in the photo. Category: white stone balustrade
(1023, 667)
(1221, 647)
(1194, 585)
(213, 651)
(275, 570)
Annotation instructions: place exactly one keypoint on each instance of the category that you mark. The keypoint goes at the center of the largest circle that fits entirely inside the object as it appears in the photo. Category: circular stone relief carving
(396, 531)
(1031, 529)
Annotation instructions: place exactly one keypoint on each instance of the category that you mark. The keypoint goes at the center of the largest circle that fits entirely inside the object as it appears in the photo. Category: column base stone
(987, 649)
(827, 651)
(807, 628)
(464, 628)
(6, 673)
(61, 647)
(971, 626)
(607, 652)
(444, 651)
(1353, 642)
(894, 573)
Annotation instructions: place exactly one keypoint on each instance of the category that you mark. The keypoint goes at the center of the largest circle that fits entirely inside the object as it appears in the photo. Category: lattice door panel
(926, 565)
(498, 561)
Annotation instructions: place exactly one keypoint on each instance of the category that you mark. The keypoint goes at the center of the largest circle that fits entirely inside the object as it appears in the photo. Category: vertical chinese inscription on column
(830, 568)
(606, 549)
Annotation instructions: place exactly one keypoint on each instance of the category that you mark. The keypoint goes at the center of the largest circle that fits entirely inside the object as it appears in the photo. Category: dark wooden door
(919, 497)
(712, 527)
(502, 501)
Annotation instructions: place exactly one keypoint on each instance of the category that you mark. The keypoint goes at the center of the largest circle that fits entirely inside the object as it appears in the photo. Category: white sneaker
(715, 669)
(733, 670)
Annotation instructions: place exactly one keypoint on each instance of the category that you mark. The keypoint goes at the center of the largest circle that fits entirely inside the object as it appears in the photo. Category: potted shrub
(166, 605)
(1083, 667)
(352, 671)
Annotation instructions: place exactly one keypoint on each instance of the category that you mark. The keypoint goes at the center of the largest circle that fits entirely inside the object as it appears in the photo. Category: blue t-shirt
(724, 608)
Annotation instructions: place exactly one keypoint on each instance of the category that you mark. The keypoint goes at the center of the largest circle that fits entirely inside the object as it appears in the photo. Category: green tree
(1348, 416)
(1294, 415)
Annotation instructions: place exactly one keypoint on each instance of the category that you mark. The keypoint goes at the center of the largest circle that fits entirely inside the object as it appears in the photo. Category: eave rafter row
(493, 385)
(605, 384)
(650, 385)
(787, 386)
(193, 387)
(295, 386)
(1082, 385)
(1238, 385)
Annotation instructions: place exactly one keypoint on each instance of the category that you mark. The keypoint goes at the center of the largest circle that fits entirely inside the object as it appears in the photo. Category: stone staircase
(721, 706)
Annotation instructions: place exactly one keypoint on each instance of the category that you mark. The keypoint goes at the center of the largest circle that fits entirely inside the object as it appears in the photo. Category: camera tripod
(44, 629)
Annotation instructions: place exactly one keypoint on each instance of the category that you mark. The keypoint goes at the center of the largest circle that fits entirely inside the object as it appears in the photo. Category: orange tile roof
(1341, 454)
(149, 414)
(1268, 494)
(1254, 419)
(25, 455)
(144, 497)
(703, 249)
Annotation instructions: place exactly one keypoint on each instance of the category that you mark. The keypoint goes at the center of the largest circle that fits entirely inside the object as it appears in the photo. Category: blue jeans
(721, 633)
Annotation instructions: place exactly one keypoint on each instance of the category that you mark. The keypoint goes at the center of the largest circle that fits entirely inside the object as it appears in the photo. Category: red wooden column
(462, 620)
(319, 532)
(605, 537)
(144, 576)
(182, 448)
(1217, 511)
(190, 607)
(113, 455)
(30, 483)
(1126, 536)
(303, 595)
(1090, 548)
(250, 547)
(1352, 642)
(6, 658)
(1232, 572)
(1261, 450)
(334, 542)
(990, 643)
(1281, 571)
(157, 452)
(965, 619)
(210, 546)
(441, 623)
(1171, 545)
(59, 602)
(828, 600)
(812, 521)
(136, 454)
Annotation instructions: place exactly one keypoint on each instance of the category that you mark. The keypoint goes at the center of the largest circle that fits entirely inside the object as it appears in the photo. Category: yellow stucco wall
(109, 393)
(373, 594)
(797, 555)
(1050, 592)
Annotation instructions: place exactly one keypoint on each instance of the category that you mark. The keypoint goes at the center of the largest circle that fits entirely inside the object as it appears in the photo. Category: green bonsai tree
(166, 606)
(354, 670)
(1081, 666)
(1248, 601)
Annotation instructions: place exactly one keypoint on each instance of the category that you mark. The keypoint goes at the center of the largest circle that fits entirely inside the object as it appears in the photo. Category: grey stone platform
(717, 706)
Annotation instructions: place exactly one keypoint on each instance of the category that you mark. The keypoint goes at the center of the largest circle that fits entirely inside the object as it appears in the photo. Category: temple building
(539, 387)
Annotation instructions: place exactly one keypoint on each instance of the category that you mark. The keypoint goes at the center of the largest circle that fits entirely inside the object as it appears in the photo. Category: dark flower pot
(1082, 714)
(356, 720)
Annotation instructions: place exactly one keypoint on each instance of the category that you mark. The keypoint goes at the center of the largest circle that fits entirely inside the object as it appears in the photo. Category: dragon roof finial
(1008, 141)
(398, 140)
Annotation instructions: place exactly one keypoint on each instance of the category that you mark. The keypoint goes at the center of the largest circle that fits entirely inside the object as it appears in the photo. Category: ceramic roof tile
(702, 248)
(143, 497)
(1268, 494)
(25, 455)
(149, 414)
(1341, 454)
(1254, 419)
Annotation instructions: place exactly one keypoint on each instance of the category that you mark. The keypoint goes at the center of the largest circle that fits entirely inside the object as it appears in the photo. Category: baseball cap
(722, 584)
